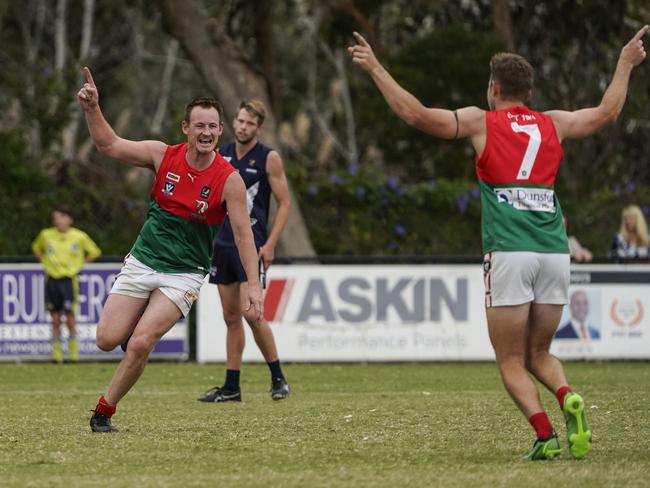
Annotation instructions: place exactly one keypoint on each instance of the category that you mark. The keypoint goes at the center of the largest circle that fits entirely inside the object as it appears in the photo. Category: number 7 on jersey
(534, 141)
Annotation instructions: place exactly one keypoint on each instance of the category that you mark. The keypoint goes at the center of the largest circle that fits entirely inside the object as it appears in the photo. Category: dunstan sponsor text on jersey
(532, 199)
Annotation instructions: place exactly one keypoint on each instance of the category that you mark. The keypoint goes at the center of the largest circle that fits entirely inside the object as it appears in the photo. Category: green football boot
(577, 429)
(544, 449)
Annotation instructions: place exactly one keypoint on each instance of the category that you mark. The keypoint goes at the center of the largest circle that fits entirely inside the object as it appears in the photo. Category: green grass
(344, 425)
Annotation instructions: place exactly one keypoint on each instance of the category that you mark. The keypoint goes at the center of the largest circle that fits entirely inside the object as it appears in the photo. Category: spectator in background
(578, 253)
(63, 250)
(631, 242)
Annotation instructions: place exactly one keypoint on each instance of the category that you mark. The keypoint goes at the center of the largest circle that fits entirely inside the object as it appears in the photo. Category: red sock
(105, 408)
(561, 393)
(542, 425)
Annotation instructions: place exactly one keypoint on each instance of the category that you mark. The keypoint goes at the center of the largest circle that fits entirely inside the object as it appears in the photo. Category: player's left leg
(544, 319)
(507, 326)
(548, 370)
(266, 342)
(551, 293)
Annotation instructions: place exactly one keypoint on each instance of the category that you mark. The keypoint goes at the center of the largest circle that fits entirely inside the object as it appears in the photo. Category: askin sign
(429, 313)
(360, 300)
(368, 313)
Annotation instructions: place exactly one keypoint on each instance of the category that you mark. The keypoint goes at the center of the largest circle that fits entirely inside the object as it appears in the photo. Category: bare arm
(234, 195)
(280, 189)
(139, 153)
(585, 122)
(470, 121)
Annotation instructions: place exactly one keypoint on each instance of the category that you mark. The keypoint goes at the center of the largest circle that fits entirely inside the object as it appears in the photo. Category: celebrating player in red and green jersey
(162, 275)
(526, 253)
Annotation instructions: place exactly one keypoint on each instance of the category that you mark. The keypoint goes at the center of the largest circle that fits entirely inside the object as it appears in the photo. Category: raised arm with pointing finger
(138, 153)
(526, 262)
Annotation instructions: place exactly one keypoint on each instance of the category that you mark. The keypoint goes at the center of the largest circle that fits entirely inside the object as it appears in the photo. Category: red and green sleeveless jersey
(519, 208)
(184, 216)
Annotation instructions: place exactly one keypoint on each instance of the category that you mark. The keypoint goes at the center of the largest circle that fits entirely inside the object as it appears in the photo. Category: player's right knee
(105, 342)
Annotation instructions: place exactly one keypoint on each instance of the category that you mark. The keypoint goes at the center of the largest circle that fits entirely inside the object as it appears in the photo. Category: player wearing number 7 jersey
(527, 257)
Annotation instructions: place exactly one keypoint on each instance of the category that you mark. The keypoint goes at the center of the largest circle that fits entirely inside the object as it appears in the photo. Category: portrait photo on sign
(581, 318)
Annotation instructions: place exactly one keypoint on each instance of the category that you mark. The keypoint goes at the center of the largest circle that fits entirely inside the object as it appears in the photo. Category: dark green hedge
(365, 212)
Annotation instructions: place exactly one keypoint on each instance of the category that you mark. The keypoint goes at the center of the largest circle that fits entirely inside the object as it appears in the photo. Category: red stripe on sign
(279, 317)
(272, 298)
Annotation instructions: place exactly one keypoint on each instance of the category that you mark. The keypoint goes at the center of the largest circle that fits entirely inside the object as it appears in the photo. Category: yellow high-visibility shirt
(64, 253)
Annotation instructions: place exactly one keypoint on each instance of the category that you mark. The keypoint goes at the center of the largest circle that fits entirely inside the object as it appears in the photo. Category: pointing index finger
(641, 33)
(360, 39)
(89, 76)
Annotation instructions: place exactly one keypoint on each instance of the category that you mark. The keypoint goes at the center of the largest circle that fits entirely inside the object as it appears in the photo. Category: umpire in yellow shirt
(63, 250)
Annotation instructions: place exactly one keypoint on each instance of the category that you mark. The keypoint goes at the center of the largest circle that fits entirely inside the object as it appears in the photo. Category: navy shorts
(60, 295)
(226, 266)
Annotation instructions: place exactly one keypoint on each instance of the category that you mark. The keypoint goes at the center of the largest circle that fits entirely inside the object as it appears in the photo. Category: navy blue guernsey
(252, 169)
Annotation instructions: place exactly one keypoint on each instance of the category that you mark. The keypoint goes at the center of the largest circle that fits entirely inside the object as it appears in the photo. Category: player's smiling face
(203, 129)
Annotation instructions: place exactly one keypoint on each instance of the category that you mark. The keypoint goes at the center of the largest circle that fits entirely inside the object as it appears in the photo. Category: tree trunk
(165, 87)
(71, 131)
(229, 74)
(263, 20)
(60, 25)
(503, 22)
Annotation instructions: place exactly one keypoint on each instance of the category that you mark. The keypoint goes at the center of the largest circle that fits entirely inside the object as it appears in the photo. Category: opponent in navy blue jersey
(252, 168)
(262, 170)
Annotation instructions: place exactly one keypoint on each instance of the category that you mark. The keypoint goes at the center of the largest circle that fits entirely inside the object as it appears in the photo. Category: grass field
(344, 425)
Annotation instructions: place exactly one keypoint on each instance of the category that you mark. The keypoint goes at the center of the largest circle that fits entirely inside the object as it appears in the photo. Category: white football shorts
(138, 280)
(515, 278)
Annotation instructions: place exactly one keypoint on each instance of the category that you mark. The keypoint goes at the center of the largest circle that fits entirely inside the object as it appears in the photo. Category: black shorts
(60, 295)
(226, 266)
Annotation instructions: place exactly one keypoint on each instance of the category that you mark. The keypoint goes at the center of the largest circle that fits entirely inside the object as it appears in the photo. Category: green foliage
(111, 217)
(365, 212)
(21, 179)
(437, 50)
(351, 425)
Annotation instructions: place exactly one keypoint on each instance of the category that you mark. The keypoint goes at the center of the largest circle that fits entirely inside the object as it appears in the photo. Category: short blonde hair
(256, 108)
(641, 226)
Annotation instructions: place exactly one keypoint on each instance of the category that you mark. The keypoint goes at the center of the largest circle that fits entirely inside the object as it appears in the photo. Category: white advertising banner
(425, 313)
(361, 313)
